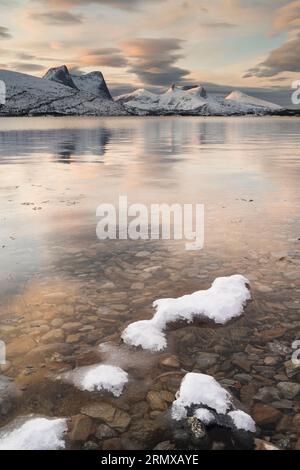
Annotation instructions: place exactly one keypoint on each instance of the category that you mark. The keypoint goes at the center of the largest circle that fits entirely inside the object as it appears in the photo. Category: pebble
(289, 390)
(265, 414)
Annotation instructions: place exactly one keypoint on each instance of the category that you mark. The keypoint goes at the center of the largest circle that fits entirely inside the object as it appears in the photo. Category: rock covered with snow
(31, 96)
(202, 398)
(223, 301)
(60, 75)
(34, 433)
(194, 100)
(98, 378)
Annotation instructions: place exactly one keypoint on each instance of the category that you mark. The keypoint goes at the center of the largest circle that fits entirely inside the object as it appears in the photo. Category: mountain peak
(60, 75)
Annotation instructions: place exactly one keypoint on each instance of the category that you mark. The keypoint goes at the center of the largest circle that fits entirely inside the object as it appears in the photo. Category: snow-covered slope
(244, 99)
(28, 95)
(193, 101)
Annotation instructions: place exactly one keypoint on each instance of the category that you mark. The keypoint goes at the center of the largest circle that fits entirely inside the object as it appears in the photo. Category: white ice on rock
(220, 303)
(212, 402)
(34, 433)
(200, 389)
(101, 377)
(242, 420)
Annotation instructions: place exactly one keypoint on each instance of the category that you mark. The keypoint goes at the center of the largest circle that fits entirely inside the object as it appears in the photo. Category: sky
(153, 43)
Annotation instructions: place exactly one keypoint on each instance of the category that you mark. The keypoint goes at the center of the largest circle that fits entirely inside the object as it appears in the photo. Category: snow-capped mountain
(242, 98)
(31, 96)
(64, 94)
(92, 82)
(60, 75)
(194, 101)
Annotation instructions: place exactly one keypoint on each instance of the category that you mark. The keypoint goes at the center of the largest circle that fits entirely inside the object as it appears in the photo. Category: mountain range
(62, 93)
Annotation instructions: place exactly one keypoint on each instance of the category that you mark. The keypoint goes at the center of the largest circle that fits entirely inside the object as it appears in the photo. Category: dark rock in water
(60, 75)
(191, 433)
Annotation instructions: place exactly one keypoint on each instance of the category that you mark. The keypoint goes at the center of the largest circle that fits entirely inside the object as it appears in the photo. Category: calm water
(63, 293)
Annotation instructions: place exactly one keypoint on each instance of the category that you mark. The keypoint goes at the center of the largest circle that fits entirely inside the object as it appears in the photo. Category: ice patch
(209, 402)
(98, 378)
(220, 303)
(34, 434)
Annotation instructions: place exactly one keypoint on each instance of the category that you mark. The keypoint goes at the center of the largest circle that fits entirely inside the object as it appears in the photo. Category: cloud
(220, 25)
(287, 17)
(283, 59)
(4, 33)
(25, 67)
(153, 60)
(110, 57)
(122, 4)
(57, 18)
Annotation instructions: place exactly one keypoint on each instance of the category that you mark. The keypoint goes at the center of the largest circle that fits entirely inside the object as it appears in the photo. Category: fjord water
(64, 293)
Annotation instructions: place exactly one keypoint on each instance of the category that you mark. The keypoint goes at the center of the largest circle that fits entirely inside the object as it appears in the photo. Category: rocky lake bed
(66, 297)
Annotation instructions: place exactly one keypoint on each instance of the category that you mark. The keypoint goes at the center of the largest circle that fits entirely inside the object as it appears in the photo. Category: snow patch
(220, 303)
(200, 389)
(209, 402)
(34, 434)
(242, 420)
(205, 416)
(98, 378)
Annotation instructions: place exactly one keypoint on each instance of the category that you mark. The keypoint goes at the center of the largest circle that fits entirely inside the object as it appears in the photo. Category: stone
(143, 254)
(111, 415)
(206, 360)
(165, 445)
(105, 432)
(81, 427)
(90, 445)
(156, 401)
(267, 394)
(57, 323)
(270, 361)
(54, 336)
(247, 393)
(285, 424)
(296, 422)
(241, 362)
(20, 346)
(297, 445)
(138, 286)
(292, 368)
(260, 444)
(71, 339)
(71, 326)
(289, 390)
(265, 414)
(112, 444)
(243, 378)
(171, 362)
(269, 335)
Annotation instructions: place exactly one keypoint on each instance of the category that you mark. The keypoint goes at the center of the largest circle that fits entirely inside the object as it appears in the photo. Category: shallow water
(63, 292)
